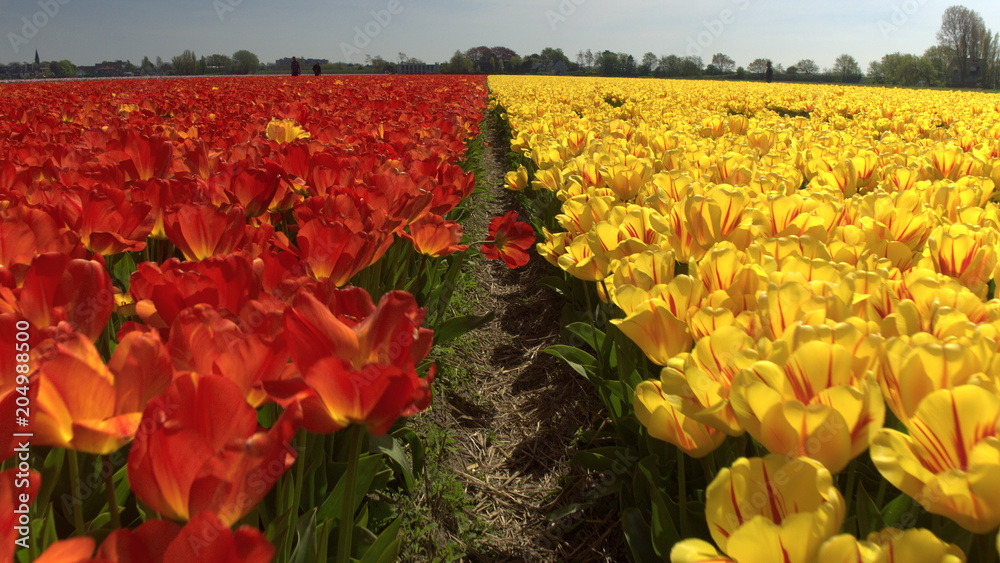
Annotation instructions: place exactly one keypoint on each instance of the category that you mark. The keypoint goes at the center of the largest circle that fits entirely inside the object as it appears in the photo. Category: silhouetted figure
(769, 73)
(295, 67)
(317, 69)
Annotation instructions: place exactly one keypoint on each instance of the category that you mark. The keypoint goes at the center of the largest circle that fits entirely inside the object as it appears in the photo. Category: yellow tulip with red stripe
(950, 461)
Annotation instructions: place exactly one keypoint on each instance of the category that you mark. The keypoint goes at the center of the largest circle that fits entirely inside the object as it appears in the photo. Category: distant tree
(691, 66)
(846, 68)
(875, 72)
(989, 57)
(758, 66)
(723, 62)
(147, 66)
(218, 63)
(740, 72)
(185, 63)
(649, 62)
(202, 65)
(378, 64)
(962, 32)
(712, 70)
(159, 63)
(940, 58)
(609, 64)
(480, 57)
(589, 58)
(778, 69)
(807, 66)
(626, 64)
(504, 55)
(459, 64)
(670, 65)
(550, 56)
(792, 71)
(245, 62)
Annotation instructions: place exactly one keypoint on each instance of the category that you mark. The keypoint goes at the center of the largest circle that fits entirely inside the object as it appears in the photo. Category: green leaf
(586, 332)
(895, 511)
(558, 285)
(305, 531)
(51, 470)
(123, 269)
(388, 445)
(456, 327)
(416, 447)
(569, 509)
(637, 535)
(869, 518)
(386, 546)
(368, 466)
(581, 362)
(663, 531)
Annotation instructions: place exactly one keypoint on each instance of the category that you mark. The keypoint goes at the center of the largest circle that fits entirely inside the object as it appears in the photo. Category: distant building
(109, 68)
(558, 67)
(407, 68)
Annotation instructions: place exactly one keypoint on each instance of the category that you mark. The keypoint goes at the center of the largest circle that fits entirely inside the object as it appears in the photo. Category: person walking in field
(769, 72)
(317, 69)
(295, 67)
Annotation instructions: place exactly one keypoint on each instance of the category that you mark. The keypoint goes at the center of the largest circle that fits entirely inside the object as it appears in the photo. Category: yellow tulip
(285, 131)
(811, 404)
(580, 261)
(517, 180)
(767, 510)
(890, 545)
(661, 416)
(950, 461)
(707, 375)
(912, 367)
(657, 321)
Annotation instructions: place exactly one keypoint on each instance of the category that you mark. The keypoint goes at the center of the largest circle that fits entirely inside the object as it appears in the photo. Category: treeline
(967, 54)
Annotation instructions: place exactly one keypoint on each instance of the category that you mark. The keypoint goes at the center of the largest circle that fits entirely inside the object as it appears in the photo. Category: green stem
(849, 492)
(74, 489)
(682, 493)
(109, 492)
(347, 509)
(987, 547)
(300, 468)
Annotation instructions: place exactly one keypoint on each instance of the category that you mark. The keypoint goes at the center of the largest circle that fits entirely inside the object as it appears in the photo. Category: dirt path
(513, 416)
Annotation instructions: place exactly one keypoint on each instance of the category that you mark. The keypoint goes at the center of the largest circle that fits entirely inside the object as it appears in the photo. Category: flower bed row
(219, 295)
(766, 269)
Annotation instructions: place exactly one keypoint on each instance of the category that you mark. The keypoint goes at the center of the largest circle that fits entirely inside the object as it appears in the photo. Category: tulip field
(220, 300)
(789, 309)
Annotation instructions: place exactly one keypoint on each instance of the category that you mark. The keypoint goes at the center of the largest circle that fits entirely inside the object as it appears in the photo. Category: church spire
(37, 61)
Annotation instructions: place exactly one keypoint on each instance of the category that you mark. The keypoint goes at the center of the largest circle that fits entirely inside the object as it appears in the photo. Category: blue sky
(89, 31)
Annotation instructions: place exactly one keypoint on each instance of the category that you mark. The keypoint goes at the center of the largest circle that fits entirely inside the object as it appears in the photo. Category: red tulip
(111, 223)
(199, 448)
(433, 236)
(162, 292)
(85, 405)
(509, 239)
(247, 350)
(205, 539)
(201, 230)
(57, 288)
(356, 361)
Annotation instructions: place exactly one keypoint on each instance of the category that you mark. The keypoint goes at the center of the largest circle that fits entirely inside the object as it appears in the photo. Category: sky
(87, 32)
